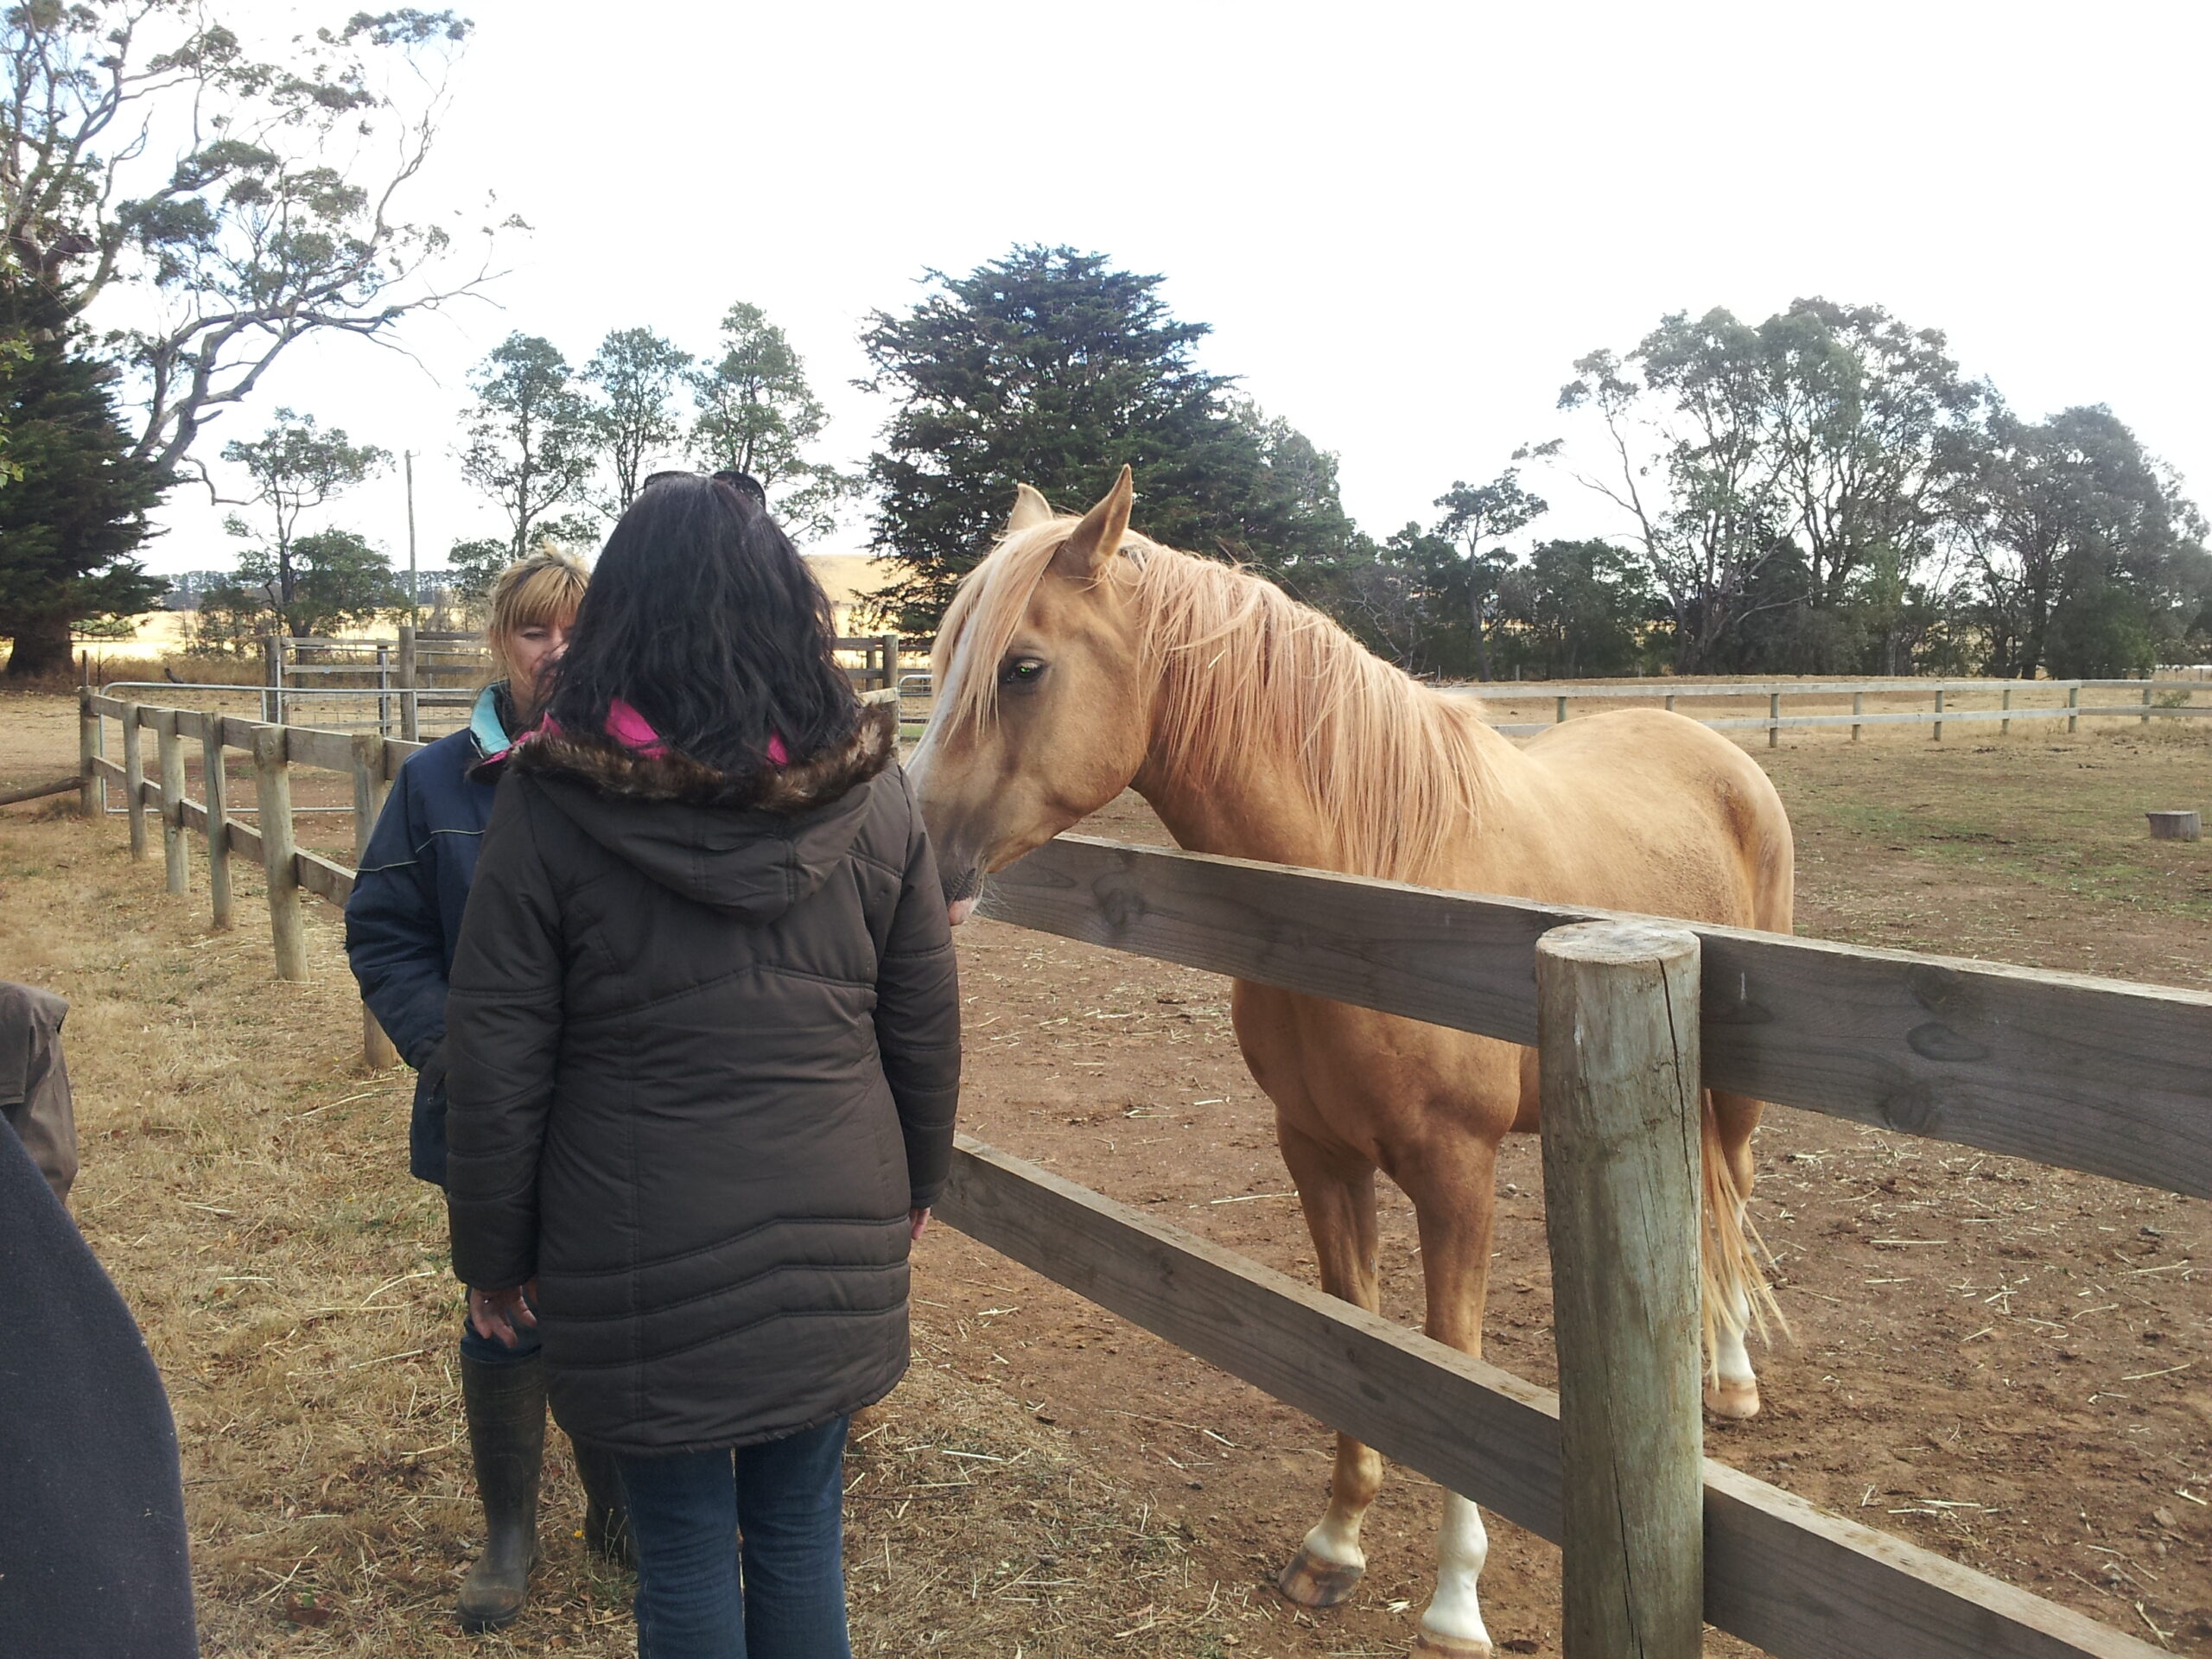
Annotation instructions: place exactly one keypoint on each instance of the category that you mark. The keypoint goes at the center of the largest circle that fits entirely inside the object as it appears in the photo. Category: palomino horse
(1078, 659)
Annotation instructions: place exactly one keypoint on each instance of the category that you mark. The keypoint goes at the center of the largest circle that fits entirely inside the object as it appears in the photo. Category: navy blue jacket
(404, 915)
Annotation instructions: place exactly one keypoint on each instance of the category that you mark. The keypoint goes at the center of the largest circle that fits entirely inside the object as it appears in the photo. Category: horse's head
(1043, 711)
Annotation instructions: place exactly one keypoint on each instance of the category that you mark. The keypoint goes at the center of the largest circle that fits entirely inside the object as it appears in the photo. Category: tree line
(1823, 491)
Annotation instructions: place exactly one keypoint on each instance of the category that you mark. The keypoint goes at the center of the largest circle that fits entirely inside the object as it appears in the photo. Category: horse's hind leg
(1336, 1190)
(1731, 1390)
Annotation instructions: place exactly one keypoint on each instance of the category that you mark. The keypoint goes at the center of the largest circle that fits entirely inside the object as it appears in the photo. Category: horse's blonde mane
(1248, 670)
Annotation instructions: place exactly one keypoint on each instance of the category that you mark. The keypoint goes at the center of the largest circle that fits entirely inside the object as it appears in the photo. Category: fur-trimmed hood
(626, 773)
(750, 846)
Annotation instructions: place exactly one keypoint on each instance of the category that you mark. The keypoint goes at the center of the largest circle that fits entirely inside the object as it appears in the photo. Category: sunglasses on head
(744, 483)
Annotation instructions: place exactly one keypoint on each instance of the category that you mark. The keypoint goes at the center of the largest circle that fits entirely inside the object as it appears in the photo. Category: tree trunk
(41, 645)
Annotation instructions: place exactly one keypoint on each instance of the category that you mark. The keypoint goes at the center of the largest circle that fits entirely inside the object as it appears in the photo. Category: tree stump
(2175, 826)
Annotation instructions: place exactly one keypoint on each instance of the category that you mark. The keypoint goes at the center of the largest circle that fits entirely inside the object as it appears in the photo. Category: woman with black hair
(704, 1040)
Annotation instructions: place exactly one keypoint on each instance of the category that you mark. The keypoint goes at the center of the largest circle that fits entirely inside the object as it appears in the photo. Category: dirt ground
(2004, 1364)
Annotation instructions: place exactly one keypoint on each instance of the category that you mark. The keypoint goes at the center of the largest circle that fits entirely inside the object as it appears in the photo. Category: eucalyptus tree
(1473, 514)
(532, 447)
(635, 416)
(297, 469)
(212, 203)
(755, 413)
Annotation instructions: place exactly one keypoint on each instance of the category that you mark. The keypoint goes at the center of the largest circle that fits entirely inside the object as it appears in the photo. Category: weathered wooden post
(1774, 719)
(1857, 707)
(369, 790)
(272, 678)
(215, 785)
(134, 779)
(888, 643)
(2146, 701)
(2004, 726)
(1560, 718)
(1939, 713)
(272, 788)
(1670, 703)
(176, 851)
(2175, 826)
(90, 742)
(410, 709)
(1618, 1033)
(2073, 702)
(384, 690)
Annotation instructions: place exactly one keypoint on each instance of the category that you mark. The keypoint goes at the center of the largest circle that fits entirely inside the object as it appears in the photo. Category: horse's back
(1642, 810)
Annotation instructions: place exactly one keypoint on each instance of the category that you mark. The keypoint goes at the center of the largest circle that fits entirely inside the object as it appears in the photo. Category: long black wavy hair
(703, 617)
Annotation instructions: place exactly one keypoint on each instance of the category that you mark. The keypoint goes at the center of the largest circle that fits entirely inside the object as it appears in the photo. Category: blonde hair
(546, 586)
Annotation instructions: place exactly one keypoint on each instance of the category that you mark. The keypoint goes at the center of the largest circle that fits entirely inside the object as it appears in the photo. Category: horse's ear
(1098, 537)
(1030, 509)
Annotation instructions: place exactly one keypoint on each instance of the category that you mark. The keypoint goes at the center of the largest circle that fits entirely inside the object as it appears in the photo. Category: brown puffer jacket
(704, 1049)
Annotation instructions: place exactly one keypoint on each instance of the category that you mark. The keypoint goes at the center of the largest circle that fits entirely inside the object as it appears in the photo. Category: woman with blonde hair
(401, 927)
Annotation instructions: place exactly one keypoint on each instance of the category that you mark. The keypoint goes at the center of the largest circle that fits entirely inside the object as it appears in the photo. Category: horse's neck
(1251, 804)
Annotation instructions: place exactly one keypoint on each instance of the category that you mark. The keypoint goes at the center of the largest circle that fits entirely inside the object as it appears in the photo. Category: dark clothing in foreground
(705, 1052)
(780, 1593)
(35, 1083)
(93, 1553)
(405, 912)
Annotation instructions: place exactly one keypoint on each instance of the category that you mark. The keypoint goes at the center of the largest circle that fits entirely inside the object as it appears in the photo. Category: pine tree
(1050, 368)
(71, 522)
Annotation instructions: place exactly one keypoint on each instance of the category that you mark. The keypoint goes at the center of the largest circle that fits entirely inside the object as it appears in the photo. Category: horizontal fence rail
(2096, 1075)
(2101, 1076)
(1799, 1582)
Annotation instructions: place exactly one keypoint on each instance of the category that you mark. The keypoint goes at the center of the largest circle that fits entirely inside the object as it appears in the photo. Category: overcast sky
(1402, 222)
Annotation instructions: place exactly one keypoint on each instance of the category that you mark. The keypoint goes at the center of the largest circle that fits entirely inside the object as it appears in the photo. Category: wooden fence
(2101, 1076)
(2145, 704)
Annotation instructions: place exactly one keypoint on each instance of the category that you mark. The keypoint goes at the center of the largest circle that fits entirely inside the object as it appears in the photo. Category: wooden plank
(215, 785)
(307, 746)
(1616, 1008)
(2095, 1075)
(1799, 1582)
(40, 791)
(1458, 1420)
(106, 768)
(323, 878)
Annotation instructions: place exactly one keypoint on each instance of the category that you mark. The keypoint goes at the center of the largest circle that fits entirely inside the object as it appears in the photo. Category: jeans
(741, 1554)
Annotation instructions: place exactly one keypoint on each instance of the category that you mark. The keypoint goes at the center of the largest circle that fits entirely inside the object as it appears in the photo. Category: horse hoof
(1429, 1645)
(1312, 1582)
(1732, 1399)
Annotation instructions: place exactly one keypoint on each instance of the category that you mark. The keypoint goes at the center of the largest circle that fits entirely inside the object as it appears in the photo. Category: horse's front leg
(1336, 1190)
(1452, 1180)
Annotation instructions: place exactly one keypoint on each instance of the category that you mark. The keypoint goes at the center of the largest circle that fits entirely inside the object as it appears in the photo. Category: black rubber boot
(506, 1399)
(607, 1517)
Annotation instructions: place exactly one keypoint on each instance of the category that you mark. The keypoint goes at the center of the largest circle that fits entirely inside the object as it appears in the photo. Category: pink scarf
(635, 732)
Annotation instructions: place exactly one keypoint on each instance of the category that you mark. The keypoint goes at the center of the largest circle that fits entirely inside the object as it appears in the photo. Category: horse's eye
(1021, 672)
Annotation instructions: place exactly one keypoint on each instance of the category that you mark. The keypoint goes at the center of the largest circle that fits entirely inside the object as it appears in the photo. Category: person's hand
(502, 1315)
(917, 1222)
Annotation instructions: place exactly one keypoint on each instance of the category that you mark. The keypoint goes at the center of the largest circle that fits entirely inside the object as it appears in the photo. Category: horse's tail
(1730, 1276)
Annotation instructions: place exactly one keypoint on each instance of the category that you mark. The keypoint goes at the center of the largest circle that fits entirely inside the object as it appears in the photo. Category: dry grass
(245, 1183)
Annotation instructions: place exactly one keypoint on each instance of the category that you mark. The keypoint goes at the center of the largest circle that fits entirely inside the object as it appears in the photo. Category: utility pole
(414, 592)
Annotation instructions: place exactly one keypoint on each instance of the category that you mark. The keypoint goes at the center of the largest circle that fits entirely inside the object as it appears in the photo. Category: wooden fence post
(2073, 700)
(2003, 727)
(369, 790)
(1939, 713)
(411, 702)
(1857, 707)
(2146, 703)
(134, 779)
(91, 740)
(1774, 719)
(272, 788)
(1670, 703)
(384, 690)
(272, 678)
(176, 851)
(1559, 718)
(215, 785)
(1618, 1033)
(889, 643)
